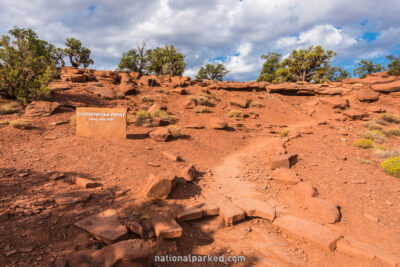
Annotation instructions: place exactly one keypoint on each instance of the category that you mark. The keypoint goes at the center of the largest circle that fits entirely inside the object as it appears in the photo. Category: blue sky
(230, 31)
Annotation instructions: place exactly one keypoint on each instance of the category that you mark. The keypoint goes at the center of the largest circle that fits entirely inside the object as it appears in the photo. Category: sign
(104, 122)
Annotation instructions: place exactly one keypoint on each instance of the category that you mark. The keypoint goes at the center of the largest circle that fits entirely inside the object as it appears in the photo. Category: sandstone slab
(367, 95)
(171, 156)
(41, 108)
(256, 208)
(188, 173)
(305, 189)
(189, 214)
(104, 226)
(323, 209)
(218, 123)
(210, 209)
(101, 122)
(160, 134)
(309, 231)
(85, 183)
(282, 161)
(166, 227)
(387, 87)
(159, 186)
(71, 197)
(285, 176)
(336, 102)
(355, 114)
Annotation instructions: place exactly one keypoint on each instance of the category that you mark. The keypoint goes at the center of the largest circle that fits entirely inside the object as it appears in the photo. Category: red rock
(367, 95)
(256, 208)
(134, 75)
(229, 212)
(387, 87)
(135, 227)
(188, 104)
(217, 123)
(336, 102)
(160, 134)
(189, 173)
(159, 187)
(210, 209)
(166, 227)
(239, 102)
(285, 176)
(189, 214)
(305, 189)
(292, 89)
(85, 183)
(83, 258)
(330, 91)
(59, 86)
(355, 114)
(105, 92)
(308, 231)
(151, 81)
(156, 107)
(71, 197)
(171, 156)
(42, 108)
(104, 226)
(283, 161)
(323, 209)
(127, 86)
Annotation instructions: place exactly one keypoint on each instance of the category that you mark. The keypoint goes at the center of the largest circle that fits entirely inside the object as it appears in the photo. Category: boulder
(217, 123)
(285, 176)
(323, 209)
(42, 108)
(166, 227)
(239, 102)
(159, 186)
(85, 183)
(105, 92)
(150, 81)
(336, 102)
(104, 226)
(127, 86)
(283, 161)
(160, 134)
(71, 197)
(59, 86)
(367, 95)
(188, 173)
(355, 114)
(387, 87)
(305, 189)
(292, 89)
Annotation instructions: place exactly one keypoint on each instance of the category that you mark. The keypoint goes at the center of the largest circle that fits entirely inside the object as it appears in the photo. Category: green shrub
(255, 104)
(174, 131)
(284, 133)
(380, 148)
(237, 114)
(391, 118)
(26, 65)
(392, 166)
(21, 124)
(147, 98)
(374, 135)
(363, 143)
(143, 115)
(394, 131)
(10, 107)
(201, 100)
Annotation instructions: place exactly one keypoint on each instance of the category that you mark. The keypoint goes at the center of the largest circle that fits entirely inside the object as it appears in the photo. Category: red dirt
(234, 162)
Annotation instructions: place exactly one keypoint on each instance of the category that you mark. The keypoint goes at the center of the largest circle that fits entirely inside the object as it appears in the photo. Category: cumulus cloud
(238, 31)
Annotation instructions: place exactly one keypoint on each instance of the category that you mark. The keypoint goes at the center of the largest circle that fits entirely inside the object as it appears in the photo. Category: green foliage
(367, 67)
(162, 114)
(26, 65)
(306, 64)
(166, 61)
(21, 124)
(212, 72)
(394, 65)
(390, 118)
(284, 133)
(78, 54)
(335, 74)
(136, 60)
(392, 166)
(237, 114)
(270, 66)
(58, 55)
(363, 143)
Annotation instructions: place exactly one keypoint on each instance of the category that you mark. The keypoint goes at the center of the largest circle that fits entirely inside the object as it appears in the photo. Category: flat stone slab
(285, 176)
(354, 247)
(323, 209)
(230, 212)
(188, 173)
(210, 209)
(256, 208)
(171, 156)
(104, 226)
(85, 183)
(71, 197)
(283, 161)
(159, 186)
(309, 231)
(166, 227)
(305, 189)
(189, 214)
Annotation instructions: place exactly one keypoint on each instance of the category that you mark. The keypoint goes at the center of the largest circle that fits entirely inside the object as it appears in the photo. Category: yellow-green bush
(374, 135)
(392, 166)
(237, 114)
(147, 98)
(363, 143)
(143, 115)
(162, 114)
(284, 133)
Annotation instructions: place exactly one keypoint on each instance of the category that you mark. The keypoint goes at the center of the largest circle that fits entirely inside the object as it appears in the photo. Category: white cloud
(207, 29)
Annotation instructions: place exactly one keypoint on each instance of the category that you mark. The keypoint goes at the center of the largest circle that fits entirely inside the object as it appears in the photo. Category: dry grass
(72, 121)
(284, 133)
(394, 131)
(147, 98)
(204, 110)
(236, 114)
(21, 124)
(175, 131)
(374, 135)
(4, 122)
(391, 118)
(10, 107)
(384, 154)
(255, 104)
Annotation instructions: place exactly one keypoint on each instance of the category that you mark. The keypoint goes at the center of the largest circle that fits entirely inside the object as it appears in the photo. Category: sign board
(103, 122)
